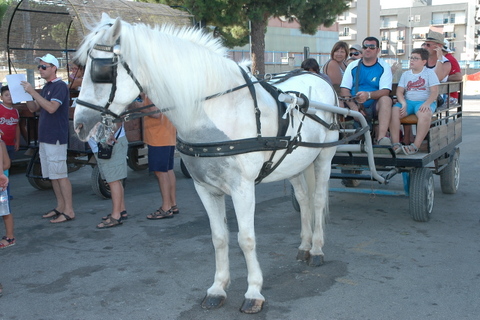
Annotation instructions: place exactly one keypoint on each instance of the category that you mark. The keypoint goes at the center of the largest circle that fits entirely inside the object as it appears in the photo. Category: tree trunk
(257, 33)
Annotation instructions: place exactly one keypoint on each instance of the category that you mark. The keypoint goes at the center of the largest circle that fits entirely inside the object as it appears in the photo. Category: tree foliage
(231, 18)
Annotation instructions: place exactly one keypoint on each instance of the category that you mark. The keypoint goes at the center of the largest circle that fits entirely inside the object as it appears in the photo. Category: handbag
(105, 150)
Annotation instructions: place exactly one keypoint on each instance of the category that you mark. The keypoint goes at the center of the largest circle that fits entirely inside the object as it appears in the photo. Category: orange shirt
(159, 132)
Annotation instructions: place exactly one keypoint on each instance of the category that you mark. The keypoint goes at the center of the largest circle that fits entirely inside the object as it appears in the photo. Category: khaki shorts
(53, 158)
(115, 168)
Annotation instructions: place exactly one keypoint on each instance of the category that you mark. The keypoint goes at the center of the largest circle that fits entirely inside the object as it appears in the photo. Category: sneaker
(10, 242)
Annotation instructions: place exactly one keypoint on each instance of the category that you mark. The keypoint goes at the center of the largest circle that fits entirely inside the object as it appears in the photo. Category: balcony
(345, 36)
(384, 52)
(400, 52)
(388, 25)
(349, 20)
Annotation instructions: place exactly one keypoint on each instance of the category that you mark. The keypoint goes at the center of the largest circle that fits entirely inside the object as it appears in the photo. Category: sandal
(397, 147)
(174, 209)
(10, 242)
(66, 216)
(110, 222)
(160, 214)
(385, 141)
(123, 216)
(55, 214)
(410, 149)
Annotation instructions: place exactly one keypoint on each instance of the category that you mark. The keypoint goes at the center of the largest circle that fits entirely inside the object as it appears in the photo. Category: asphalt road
(380, 264)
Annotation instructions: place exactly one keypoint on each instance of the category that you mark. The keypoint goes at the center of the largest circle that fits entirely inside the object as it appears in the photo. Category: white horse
(186, 73)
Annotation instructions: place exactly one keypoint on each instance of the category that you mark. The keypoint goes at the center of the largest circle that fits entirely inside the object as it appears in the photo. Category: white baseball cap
(48, 58)
(446, 46)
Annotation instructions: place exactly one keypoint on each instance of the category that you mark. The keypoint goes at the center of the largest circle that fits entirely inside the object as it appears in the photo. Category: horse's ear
(116, 28)
(105, 17)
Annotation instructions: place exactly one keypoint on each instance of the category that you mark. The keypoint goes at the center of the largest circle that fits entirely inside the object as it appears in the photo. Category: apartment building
(403, 25)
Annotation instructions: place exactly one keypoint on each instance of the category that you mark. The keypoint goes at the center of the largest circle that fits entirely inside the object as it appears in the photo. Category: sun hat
(48, 58)
(446, 46)
(357, 47)
(436, 37)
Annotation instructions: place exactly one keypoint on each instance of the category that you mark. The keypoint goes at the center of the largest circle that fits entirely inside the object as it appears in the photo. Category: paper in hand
(16, 89)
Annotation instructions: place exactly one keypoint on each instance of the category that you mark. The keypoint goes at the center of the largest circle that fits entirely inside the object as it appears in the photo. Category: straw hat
(436, 37)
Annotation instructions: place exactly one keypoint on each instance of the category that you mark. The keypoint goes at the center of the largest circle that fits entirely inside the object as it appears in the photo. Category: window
(417, 18)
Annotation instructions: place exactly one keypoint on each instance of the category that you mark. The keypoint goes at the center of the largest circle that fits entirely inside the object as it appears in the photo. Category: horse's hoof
(303, 255)
(315, 261)
(252, 306)
(213, 302)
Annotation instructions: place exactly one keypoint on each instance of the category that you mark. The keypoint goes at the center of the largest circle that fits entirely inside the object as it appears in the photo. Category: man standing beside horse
(53, 103)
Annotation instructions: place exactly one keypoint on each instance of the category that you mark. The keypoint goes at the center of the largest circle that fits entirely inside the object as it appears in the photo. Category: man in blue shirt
(369, 80)
(53, 103)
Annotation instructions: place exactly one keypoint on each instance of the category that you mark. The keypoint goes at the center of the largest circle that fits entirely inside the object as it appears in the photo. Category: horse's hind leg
(215, 206)
(304, 193)
(322, 176)
(244, 201)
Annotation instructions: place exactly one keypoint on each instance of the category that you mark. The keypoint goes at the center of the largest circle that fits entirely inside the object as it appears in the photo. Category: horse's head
(108, 85)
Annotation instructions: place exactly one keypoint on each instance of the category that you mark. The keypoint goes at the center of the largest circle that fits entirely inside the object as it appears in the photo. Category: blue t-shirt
(53, 127)
(372, 78)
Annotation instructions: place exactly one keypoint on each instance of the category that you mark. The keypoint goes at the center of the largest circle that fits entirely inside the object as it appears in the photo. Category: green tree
(233, 17)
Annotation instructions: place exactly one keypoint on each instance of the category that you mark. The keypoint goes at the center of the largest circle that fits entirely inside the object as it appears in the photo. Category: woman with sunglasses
(335, 66)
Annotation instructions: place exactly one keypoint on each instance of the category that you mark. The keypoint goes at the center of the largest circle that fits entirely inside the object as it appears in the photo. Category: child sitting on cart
(417, 93)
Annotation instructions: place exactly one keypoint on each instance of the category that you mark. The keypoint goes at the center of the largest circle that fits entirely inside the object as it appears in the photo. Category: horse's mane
(162, 57)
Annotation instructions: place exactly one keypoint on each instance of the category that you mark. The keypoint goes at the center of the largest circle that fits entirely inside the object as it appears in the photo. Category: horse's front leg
(214, 203)
(322, 175)
(243, 198)
(304, 186)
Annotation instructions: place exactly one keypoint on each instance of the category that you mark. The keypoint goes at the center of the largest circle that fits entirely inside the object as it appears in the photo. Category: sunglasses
(369, 46)
(426, 44)
(354, 53)
(43, 67)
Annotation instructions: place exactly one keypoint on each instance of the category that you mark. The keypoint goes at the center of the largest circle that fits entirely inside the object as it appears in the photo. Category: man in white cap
(53, 103)
(455, 73)
(356, 53)
(436, 60)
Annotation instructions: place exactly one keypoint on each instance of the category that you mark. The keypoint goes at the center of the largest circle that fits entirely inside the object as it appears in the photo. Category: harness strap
(251, 88)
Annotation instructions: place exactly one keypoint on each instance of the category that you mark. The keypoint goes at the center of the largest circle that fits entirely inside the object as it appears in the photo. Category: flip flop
(54, 216)
(67, 218)
(160, 214)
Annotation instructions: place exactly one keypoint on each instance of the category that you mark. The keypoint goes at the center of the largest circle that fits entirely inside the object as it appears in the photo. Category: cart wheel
(99, 185)
(295, 204)
(133, 157)
(422, 194)
(39, 183)
(450, 176)
(351, 182)
(184, 169)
